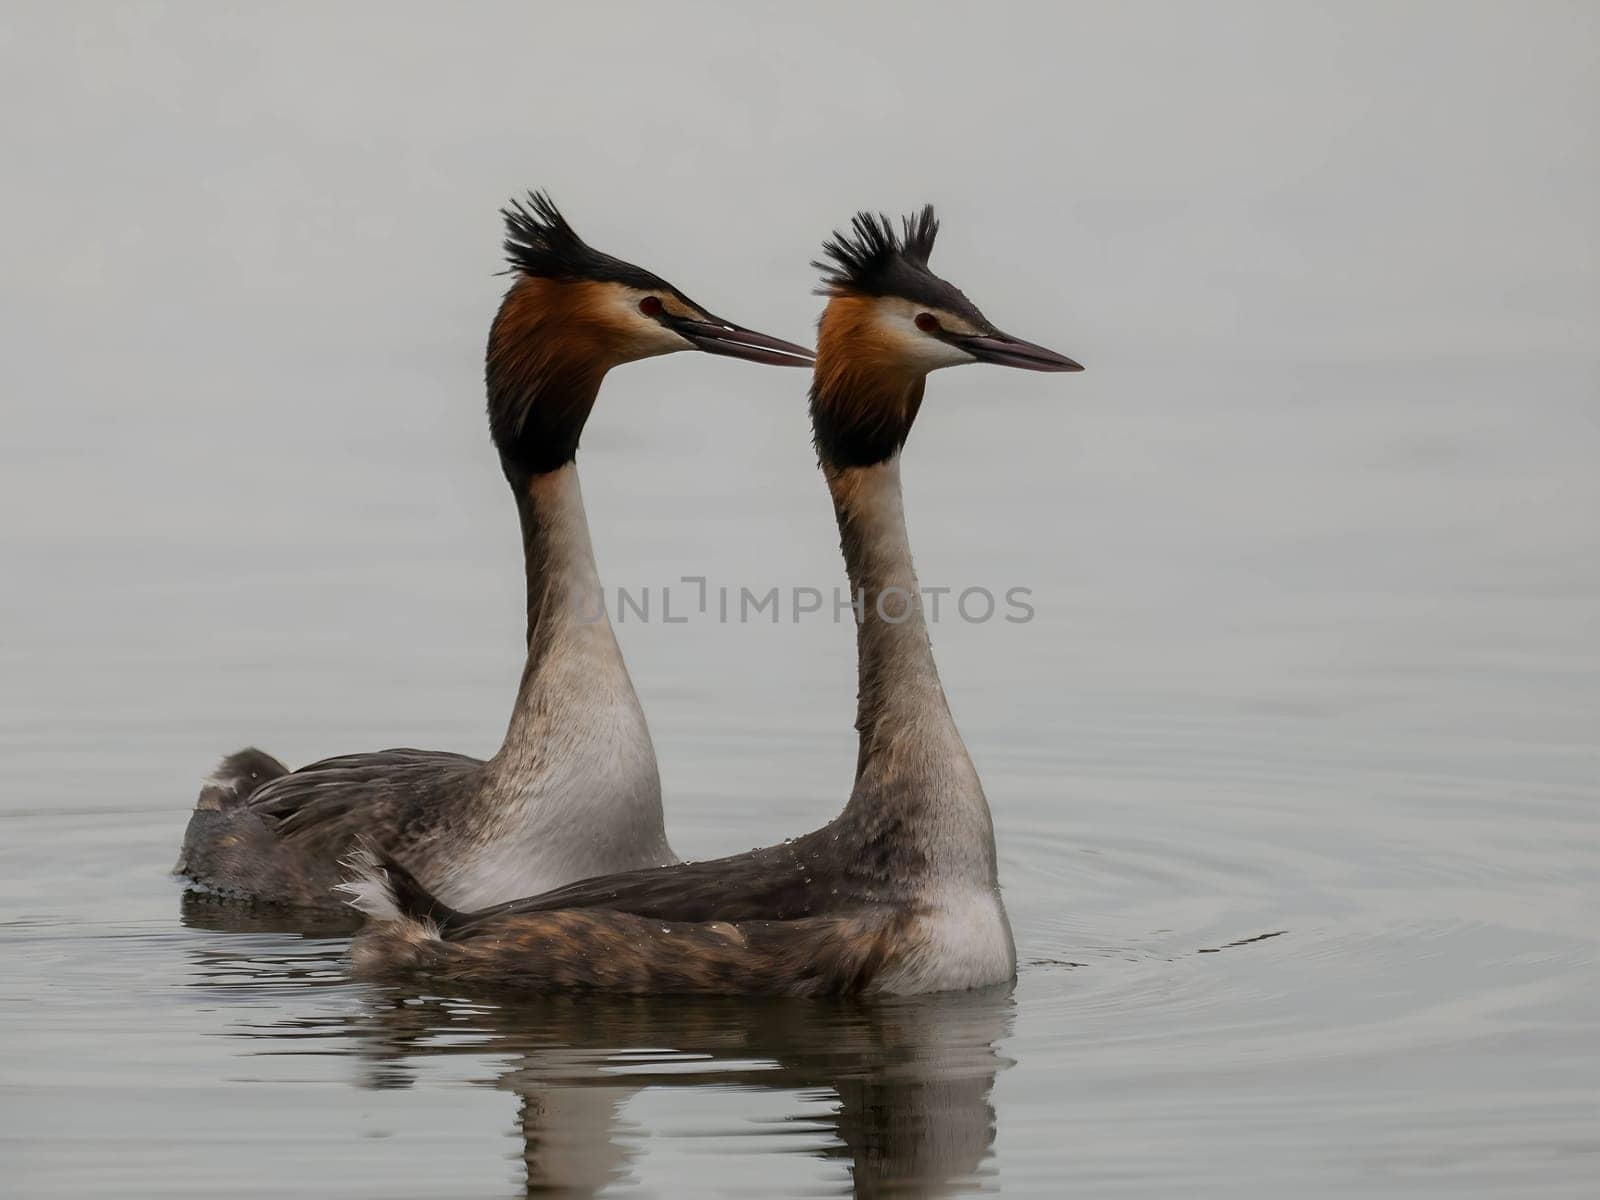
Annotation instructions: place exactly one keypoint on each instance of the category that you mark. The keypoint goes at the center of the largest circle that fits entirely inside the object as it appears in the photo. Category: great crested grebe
(573, 790)
(899, 893)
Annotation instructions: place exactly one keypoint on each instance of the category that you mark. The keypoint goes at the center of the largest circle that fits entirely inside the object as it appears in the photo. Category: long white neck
(573, 790)
(912, 767)
(568, 629)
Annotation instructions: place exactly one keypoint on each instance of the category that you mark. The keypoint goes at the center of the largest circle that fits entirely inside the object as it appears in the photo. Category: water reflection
(899, 1092)
(200, 910)
(910, 1080)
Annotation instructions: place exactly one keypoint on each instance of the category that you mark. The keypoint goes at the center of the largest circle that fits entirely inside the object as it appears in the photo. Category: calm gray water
(1294, 773)
(1294, 778)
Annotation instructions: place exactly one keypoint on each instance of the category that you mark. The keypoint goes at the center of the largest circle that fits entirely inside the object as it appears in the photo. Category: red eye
(927, 322)
(650, 306)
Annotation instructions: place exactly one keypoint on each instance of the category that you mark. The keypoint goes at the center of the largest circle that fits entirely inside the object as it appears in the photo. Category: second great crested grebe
(573, 790)
(899, 893)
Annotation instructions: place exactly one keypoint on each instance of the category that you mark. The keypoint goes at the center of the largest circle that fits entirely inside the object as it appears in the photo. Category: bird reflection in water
(912, 1077)
(908, 1081)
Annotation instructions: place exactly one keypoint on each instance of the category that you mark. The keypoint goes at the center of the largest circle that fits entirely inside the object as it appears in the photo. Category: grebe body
(573, 790)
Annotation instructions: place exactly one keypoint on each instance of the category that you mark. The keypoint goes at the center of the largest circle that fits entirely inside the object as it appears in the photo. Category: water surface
(1294, 780)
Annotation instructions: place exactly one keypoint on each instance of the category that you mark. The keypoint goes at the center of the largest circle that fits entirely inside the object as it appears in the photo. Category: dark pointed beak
(1007, 351)
(716, 336)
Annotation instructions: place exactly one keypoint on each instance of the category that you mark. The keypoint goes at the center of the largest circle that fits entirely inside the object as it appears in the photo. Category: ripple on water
(1198, 957)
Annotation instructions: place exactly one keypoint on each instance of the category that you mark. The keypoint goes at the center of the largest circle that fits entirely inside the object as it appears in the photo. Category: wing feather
(381, 792)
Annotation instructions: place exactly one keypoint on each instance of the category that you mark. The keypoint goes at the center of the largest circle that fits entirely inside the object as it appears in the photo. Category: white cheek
(642, 336)
(922, 351)
(648, 338)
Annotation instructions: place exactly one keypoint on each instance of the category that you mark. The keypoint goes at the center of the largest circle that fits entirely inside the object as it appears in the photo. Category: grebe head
(889, 321)
(571, 314)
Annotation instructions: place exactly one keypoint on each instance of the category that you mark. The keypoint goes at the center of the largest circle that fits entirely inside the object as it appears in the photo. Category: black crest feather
(542, 243)
(871, 259)
(539, 240)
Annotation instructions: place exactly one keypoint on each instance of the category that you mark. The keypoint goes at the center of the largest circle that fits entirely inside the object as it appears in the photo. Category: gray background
(249, 261)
